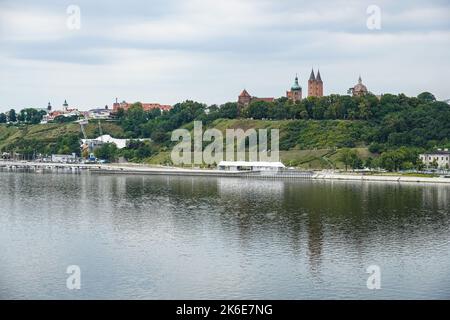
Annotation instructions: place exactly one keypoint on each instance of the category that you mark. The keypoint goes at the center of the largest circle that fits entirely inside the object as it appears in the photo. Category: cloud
(31, 25)
(172, 50)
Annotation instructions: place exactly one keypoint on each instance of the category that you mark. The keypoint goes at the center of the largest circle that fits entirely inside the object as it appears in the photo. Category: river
(156, 237)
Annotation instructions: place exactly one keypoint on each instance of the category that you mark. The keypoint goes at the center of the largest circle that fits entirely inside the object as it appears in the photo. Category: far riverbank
(139, 169)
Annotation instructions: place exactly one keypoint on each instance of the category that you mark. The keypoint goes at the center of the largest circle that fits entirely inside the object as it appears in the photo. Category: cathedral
(315, 87)
(359, 89)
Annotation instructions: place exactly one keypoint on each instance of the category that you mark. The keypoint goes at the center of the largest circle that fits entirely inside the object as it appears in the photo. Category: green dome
(296, 86)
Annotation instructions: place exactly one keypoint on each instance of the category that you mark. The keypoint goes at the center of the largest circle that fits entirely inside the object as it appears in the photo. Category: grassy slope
(49, 133)
(312, 147)
(312, 143)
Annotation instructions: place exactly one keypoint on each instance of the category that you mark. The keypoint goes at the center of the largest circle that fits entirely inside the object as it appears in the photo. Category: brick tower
(295, 94)
(315, 85)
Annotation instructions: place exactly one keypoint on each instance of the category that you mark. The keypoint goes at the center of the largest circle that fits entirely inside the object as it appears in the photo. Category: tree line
(396, 127)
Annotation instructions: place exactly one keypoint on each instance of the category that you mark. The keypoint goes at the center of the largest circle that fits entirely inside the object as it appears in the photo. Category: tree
(399, 159)
(346, 157)
(350, 158)
(67, 144)
(159, 136)
(427, 97)
(375, 147)
(108, 151)
(369, 163)
(356, 161)
(12, 115)
(30, 116)
(258, 110)
(3, 118)
(64, 119)
(229, 110)
(120, 114)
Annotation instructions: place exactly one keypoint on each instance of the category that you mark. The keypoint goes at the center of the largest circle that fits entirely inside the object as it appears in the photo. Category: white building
(250, 166)
(106, 138)
(440, 158)
(64, 158)
(101, 113)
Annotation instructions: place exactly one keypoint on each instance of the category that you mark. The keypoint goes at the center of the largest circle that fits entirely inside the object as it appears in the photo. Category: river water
(154, 237)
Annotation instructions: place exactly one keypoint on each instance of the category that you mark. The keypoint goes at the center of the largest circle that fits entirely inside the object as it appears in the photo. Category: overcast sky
(209, 50)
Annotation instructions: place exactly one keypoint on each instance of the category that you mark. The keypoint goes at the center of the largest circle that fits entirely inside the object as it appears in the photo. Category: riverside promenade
(323, 175)
(139, 169)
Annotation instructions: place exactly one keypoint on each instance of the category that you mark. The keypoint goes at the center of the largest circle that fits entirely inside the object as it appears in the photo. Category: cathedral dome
(359, 88)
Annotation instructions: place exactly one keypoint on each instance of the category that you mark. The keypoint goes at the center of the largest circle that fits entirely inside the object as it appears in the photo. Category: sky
(168, 51)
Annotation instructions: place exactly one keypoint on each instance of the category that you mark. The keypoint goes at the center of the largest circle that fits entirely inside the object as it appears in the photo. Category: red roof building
(244, 99)
(146, 106)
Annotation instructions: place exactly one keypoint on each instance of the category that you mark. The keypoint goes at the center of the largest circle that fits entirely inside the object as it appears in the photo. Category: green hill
(314, 132)
(305, 144)
(44, 138)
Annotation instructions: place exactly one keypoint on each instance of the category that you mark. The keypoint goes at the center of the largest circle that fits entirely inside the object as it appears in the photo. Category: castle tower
(295, 94)
(49, 107)
(244, 99)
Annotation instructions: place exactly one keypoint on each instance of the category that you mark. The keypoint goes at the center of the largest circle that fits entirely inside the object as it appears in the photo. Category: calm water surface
(220, 238)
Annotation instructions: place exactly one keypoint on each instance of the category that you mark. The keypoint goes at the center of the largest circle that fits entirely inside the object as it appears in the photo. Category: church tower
(319, 85)
(311, 84)
(65, 106)
(315, 85)
(295, 94)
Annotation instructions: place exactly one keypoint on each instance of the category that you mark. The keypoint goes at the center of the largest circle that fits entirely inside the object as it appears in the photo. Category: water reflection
(195, 237)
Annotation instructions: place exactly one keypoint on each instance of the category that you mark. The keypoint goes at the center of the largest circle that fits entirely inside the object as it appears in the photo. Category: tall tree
(12, 117)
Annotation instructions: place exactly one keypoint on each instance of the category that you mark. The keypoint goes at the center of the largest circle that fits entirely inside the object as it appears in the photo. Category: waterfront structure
(64, 158)
(244, 99)
(250, 166)
(295, 94)
(359, 89)
(146, 106)
(438, 159)
(315, 85)
(106, 138)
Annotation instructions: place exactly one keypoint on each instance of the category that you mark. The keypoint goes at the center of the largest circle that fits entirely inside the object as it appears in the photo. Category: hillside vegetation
(50, 138)
(327, 132)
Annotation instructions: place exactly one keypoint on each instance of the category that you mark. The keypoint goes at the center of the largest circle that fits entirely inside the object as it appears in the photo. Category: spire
(312, 77)
(318, 78)
(296, 86)
(244, 93)
(359, 80)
